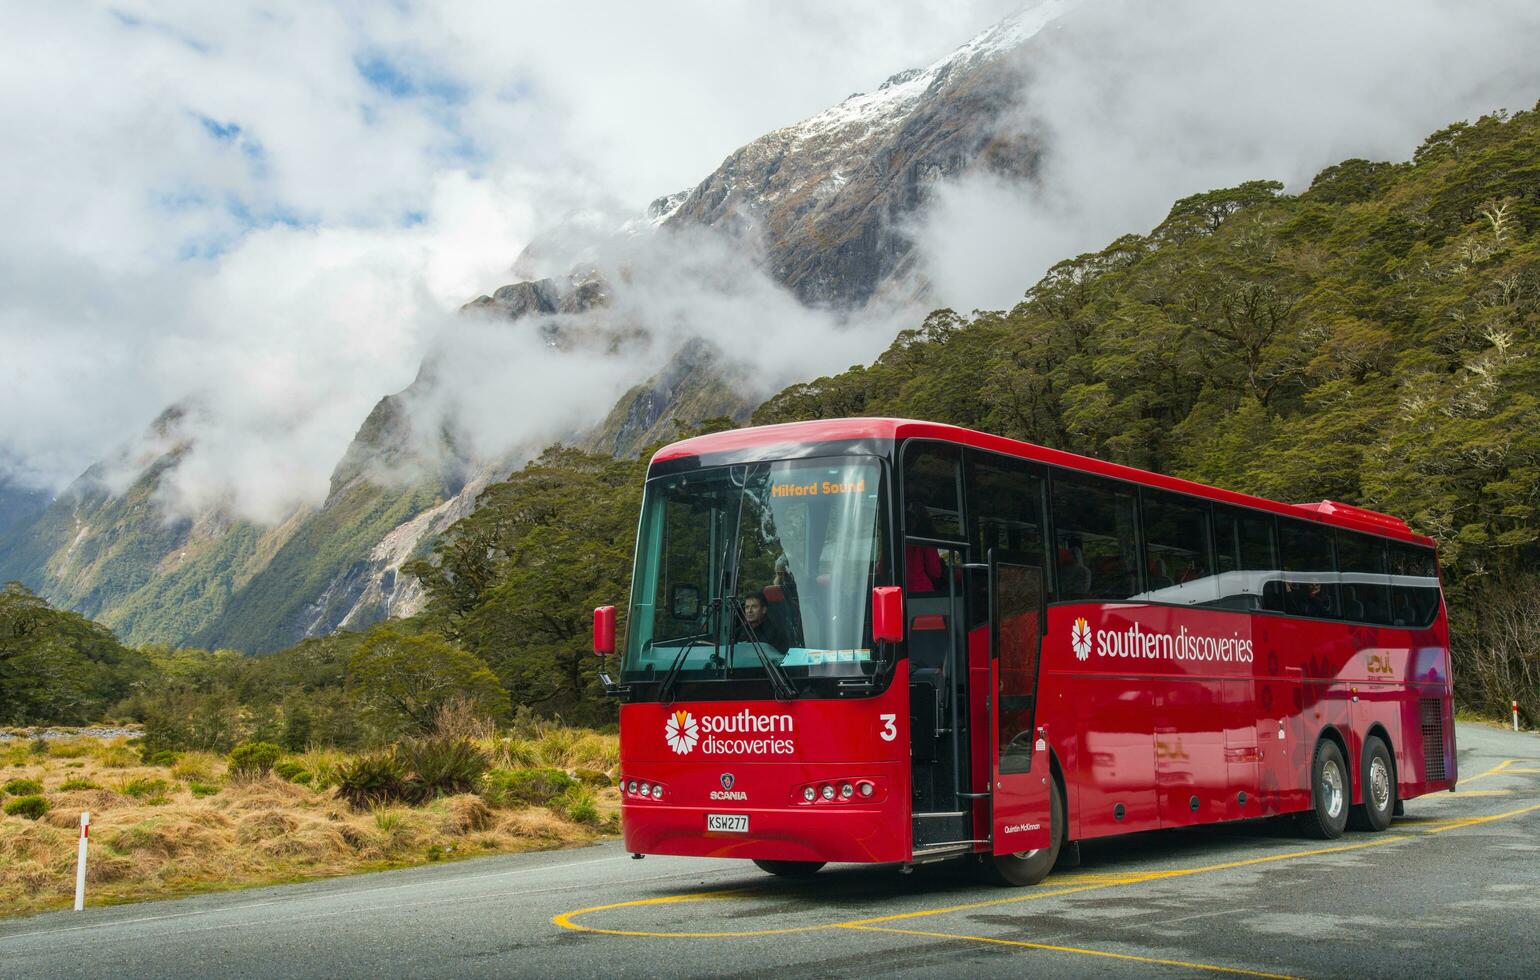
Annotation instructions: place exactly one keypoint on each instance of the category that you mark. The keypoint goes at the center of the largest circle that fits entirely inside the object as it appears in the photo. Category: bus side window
(1176, 548)
(1005, 507)
(1310, 571)
(1414, 585)
(1365, 586)
(932, 510)
(1097, 550)
(1246, 558)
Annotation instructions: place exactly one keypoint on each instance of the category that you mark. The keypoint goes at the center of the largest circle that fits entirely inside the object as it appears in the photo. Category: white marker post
(80, 864)
(1515, 716)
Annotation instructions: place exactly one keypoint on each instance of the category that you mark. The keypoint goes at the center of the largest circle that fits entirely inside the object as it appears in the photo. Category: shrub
(200, 766)
(141, 788)
(526, 787)
(69, 748)
(577, 805)
(31, 807)
(201, 790)
(515, 753)
(253, 760)
(161, 757)
(373, 780)
(593, 777)
(290, 770)
(388, 821)
(40, 746)
(23, 787)
(117, 757)
(444, 766)
(75, 783)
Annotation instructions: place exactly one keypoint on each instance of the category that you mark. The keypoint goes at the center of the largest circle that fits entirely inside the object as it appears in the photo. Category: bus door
(1019, 792)
(938, 699)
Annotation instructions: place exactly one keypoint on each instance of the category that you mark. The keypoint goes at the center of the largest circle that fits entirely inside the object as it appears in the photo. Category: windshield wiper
(666, 690)
(785, 690)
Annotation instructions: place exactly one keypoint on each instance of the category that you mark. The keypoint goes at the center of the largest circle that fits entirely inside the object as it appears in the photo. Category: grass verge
(185, 826)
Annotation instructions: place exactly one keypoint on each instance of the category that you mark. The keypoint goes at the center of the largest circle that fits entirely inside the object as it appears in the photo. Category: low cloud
(1138, 104)
(272, 212)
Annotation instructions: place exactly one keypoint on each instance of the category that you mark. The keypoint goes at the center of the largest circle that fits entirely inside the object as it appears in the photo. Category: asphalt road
(1452, 889)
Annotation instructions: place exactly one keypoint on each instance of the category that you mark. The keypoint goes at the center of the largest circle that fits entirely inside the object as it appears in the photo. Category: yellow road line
(1481, 792)
(1078, 949)
(1473, 821)
(565, 919)
(1496, 770)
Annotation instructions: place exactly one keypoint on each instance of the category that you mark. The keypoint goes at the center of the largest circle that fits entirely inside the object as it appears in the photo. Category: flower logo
(681, 731)
(1080, 638)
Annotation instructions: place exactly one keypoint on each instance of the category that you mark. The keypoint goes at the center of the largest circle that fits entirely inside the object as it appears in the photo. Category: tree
(400, 680)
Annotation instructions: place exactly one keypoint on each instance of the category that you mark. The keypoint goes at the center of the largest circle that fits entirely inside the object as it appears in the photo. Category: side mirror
(887, 614)
(604, 630)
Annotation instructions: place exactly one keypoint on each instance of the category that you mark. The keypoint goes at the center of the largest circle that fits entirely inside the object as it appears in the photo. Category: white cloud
(276, 208)
(1141, 103)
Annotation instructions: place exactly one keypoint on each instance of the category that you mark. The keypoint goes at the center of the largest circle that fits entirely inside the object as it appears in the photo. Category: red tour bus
(882, 640)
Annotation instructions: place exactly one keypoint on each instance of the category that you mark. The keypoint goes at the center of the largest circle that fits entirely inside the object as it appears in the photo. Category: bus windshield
(758, 572)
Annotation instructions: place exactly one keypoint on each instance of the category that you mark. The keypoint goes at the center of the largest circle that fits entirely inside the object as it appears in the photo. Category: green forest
(1374, 339)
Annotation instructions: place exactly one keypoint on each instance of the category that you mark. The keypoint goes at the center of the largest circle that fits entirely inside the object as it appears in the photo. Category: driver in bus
(756, 614)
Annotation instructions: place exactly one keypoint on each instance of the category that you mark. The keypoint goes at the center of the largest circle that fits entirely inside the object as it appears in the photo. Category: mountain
(822, 204)
(830, 194)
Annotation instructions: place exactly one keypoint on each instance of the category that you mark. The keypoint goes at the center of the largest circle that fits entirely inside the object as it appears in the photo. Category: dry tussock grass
(253, 832)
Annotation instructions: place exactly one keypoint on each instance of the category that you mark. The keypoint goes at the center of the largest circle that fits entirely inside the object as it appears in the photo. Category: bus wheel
(1379, 788)
(1328, 814)
(1031, 867)
(790, 869)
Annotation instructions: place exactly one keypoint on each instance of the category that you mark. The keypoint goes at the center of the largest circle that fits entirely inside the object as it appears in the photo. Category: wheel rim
(1331, 781)
(1025, 855)
(1379, 784)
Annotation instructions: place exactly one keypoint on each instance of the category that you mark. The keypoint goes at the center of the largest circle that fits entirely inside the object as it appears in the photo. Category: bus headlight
(645, 788)
(631, 788)
(847, 791)
(657, 792)
(828, 791)
(867, 789)
(809, 793)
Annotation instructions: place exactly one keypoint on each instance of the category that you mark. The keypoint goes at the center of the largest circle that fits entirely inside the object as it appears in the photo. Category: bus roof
(896, 430)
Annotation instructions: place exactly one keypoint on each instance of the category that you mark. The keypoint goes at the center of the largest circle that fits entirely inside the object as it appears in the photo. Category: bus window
(1005, 505)
(932, 510)
(1413, 585)
(1176, 549)
(931, 488)
(1310, 572)
(1093, 522)
(1246, 561)
(1365, 586)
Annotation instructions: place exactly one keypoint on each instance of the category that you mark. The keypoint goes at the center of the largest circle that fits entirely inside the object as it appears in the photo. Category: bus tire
(790, 869)
(1377, 773)
(1031, 867)
(1329, 794)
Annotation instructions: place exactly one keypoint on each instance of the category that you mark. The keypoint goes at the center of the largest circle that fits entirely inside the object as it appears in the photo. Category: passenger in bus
(923, 573)
(1352, 606)
(759, 624)
(1159, 579)
(1074, 576)
(1317, 601)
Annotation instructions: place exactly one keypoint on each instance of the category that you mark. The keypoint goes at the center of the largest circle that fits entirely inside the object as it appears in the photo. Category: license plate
(728, 823)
